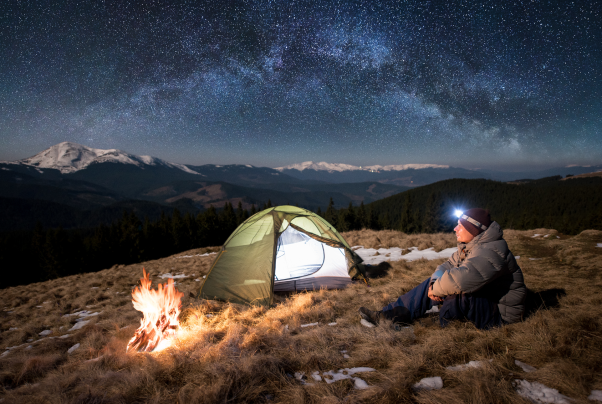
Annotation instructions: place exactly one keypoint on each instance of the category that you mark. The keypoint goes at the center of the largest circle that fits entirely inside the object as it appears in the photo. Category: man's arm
(476, 271)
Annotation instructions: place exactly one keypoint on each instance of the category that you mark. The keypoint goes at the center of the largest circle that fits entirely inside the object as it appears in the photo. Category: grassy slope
(247, 355)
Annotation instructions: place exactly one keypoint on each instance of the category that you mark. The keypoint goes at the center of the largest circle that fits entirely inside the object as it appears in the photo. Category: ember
(160, 309)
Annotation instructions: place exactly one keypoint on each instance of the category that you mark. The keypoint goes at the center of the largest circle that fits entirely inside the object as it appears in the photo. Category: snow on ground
(331, 376)
(82, 314)
(538, 393)
(599, 245)
(366, 323)
(429, 383)
(596, 395)
(526, 368)
(73, 348)
(469, 365)
(79, 324)
(196, 255)
(370, 256)
(169, 275)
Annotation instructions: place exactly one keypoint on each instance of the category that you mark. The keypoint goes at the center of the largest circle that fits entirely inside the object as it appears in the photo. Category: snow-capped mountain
(334, 167)
(70, 157)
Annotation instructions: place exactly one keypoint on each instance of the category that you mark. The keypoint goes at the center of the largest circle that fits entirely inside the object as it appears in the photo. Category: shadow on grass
(543, 300)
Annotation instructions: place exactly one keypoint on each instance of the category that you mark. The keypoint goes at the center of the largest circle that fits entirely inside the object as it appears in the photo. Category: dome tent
(284, 248)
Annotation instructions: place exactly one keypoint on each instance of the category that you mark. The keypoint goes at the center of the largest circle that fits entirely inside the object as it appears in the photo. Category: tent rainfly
(284, 248)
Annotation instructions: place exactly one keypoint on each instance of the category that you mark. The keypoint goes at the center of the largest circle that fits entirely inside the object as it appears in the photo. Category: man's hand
(433, 297)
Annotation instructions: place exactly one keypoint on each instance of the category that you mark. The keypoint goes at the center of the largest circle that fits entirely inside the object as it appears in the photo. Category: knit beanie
(478, 215)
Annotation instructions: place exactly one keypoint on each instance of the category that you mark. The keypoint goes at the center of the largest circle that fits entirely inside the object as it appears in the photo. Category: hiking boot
(373, 317)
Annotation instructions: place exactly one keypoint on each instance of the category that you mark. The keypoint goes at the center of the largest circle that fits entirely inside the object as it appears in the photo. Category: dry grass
(242, 354)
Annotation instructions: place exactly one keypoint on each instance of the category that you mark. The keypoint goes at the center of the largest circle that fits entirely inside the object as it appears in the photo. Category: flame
(160, 309)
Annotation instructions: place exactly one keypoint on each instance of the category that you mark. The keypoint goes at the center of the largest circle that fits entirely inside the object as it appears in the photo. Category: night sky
(497, 84)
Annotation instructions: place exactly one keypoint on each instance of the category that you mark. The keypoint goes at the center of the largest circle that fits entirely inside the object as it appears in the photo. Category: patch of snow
(168, 275)
(78, 325)
(434, 309)
(197, 280)
(316, 376)
(339, 167)
(73, 348)
(346, 356)
(28, 347)
(599, 245)
(39, 307)
(82, 314)
(524, 366)
(347, 373)
(13, 329)
(309, 325)
(547, 235)
(299, 376)
(360, 384)
(595, 396)
(45, 333)
(469, 365)
(535, 259)
(516, 257)
(65, 336)
(94, 287)
(196, 255)
(535, 235)
(208, 315)
(429, 383)
(69, 157)
(538, 393)
(366, 323)
(369, 255)
(4, 353)
(331, 324)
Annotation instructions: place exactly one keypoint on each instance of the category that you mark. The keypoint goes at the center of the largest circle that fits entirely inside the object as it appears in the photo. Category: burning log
(160, 309)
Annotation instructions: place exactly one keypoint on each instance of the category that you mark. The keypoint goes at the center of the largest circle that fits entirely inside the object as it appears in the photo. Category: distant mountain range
(414, 175)
(72, 178)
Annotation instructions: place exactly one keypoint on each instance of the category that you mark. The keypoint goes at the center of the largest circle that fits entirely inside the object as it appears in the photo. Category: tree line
(569, 206)
(48, 253)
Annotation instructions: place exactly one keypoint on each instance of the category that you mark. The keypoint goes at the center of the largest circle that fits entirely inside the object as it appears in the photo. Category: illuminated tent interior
(280, 249)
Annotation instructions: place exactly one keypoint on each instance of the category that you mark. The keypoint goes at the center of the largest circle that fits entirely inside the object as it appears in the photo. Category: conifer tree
(331, 214)
(406, 224)
(240, 215)
(362, 217)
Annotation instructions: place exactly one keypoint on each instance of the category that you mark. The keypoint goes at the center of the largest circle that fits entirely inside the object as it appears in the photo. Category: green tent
(284, 248)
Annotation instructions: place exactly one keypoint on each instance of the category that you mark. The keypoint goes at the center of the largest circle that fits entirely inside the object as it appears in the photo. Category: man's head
(472, 223)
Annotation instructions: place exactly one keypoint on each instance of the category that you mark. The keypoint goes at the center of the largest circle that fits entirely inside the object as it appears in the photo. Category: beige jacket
(486, 265)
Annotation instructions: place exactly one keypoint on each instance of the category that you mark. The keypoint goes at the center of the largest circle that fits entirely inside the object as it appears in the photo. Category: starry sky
(490, 84)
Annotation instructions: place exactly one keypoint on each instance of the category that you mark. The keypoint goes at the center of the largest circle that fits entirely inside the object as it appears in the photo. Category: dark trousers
(473, 307)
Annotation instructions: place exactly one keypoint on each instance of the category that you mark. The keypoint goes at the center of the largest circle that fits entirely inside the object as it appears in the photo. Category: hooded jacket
(485, 265)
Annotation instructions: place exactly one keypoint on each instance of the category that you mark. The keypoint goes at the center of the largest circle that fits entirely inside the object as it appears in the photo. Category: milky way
(272, 83)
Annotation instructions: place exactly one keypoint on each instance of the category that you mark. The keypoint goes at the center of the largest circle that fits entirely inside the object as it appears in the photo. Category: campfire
(160, 309)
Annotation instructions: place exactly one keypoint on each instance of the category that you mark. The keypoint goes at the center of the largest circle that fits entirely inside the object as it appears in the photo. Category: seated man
(481, 282)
